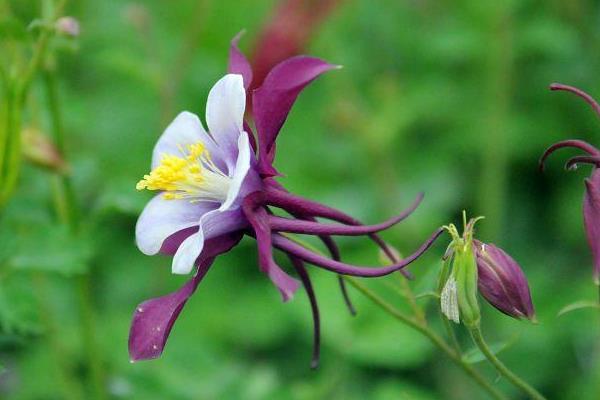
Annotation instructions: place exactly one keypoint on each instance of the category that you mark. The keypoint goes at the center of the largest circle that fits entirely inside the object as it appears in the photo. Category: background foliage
(446, 97)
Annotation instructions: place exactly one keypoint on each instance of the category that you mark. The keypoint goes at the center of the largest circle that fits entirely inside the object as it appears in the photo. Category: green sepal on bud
(459, 292)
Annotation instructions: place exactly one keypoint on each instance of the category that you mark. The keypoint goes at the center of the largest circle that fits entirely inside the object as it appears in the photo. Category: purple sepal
(502, 281)
(591, 219)
(258, 218)
(153, 319)
(238, 63)
(272, 102)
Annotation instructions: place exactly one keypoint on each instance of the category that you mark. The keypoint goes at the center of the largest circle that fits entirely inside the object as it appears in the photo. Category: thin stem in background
(501, 368)
(410, 297)
(71, 210)
(6, 116)
(13, 134)
(67, 208)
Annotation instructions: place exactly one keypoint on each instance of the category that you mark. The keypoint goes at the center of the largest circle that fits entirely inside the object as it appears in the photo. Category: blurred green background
(446, 97)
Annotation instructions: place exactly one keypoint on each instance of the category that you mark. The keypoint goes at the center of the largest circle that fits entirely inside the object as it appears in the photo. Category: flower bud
(459, 295)
(39, 149)
(502, 282)
(68, 26)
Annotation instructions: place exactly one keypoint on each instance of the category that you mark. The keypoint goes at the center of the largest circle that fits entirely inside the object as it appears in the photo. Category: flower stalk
(501, 368)
(435, 339)
(68, 212)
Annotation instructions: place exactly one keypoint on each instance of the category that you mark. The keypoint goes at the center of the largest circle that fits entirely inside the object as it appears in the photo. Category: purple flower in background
(216, 186)
(502, 282)
(591, 198)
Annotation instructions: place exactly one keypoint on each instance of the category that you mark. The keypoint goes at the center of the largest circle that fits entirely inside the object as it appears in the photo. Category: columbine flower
(502, 281)
(591, 199)
(214, 187)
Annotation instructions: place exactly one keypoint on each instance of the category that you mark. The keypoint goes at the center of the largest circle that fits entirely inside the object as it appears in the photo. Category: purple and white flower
(215, 186)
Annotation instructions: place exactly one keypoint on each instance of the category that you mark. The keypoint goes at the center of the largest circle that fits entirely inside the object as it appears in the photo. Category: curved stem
(431, 335)
(501, 368)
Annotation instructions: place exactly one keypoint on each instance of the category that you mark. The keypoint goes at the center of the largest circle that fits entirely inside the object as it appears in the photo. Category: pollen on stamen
(192, 175)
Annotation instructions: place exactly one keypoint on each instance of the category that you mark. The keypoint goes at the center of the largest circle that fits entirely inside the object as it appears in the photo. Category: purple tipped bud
(68, 26)
(591, 219)
(502, 282)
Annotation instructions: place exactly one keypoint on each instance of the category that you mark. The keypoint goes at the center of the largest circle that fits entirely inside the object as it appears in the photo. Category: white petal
(225, 115)
(242, 166)
(187, 253)
(161, 218)
(185, 129)
(212, 224)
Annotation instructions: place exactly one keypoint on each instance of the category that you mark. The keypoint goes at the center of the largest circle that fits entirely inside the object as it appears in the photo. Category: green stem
(67, 210)
(501, 368)
(431, 335)
(5, 121)
(68, 194)
(12, 137)
(412, 301)
(11, 147)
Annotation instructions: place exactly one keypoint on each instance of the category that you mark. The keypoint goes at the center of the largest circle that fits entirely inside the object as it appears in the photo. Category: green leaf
(51, 249)
(474, 355)
(578, 305)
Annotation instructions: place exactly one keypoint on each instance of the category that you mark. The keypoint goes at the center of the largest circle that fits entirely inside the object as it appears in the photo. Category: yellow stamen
(193, 176)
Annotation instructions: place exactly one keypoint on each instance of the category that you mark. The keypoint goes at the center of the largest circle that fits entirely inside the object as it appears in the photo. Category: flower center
(193, 176)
